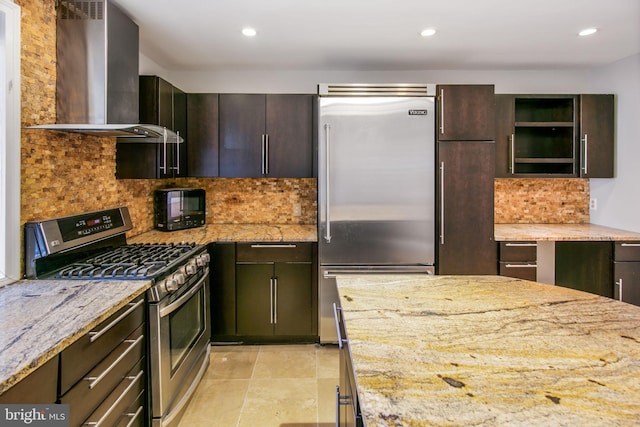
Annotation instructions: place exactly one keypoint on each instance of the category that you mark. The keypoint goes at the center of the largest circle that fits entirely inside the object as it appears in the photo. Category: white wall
(619, 198)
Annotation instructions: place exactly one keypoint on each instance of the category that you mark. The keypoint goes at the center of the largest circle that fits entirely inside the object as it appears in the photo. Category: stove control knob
(180, 278)
(191, 269)
(202, 260)
(171, 285)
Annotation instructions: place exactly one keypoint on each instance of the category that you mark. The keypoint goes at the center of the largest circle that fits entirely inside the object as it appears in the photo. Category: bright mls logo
(417, 112)
(34, 415)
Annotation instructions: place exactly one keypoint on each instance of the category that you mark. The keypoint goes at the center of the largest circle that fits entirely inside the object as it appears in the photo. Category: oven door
(179, 348)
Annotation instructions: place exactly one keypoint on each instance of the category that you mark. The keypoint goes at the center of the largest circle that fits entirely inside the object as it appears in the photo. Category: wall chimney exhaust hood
(97, 74)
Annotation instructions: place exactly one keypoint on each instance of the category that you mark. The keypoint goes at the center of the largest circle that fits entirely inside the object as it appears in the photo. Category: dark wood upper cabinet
(161, 104)
(202, 128)
(596, 136)
(466, 113)
(554, 136)
(266, 135)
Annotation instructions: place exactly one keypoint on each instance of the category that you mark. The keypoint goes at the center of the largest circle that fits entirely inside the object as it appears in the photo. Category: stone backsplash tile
(541, 201)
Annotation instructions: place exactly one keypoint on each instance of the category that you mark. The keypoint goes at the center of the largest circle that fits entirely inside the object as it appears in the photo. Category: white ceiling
(202, 35)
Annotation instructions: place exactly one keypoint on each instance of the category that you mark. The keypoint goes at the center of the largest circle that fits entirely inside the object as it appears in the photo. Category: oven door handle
(164, 312)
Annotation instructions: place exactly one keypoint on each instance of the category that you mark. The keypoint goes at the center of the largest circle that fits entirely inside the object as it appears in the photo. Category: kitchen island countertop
(489, 350)
(561, 232)
(40, 318)
(210, 233)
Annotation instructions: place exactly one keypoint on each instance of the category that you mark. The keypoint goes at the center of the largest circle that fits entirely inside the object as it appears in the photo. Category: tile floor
(270, 385)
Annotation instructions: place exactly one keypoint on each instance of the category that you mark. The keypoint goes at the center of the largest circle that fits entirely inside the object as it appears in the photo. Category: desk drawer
(519, 270)
(518, 251)
(627, 251)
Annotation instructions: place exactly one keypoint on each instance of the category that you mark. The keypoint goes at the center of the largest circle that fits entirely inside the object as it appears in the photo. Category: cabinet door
(242, 127)
(627, 282)
(466, 113)
(504, 136)
(202, 128)
(596, 134)
(585, 266)
(289, 126)
(293, 299)
(223, 290)
(254, 299)
(465, 208)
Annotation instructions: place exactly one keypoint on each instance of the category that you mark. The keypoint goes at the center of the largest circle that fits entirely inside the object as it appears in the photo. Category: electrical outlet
(297, 209)
(593, 204)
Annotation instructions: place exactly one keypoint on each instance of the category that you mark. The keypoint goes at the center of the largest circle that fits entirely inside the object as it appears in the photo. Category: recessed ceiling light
(588, 31)
(249, 32)
(428, 32)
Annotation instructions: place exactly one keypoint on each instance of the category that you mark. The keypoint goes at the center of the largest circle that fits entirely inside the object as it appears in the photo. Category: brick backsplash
(541, 201)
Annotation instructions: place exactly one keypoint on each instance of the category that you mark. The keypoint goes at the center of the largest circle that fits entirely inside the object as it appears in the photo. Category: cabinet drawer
(84, 354)
(134, 415)
(627, 251)
(519, 270)
(87, 394)
(121, 399)
(274, 252)
(39, 387)
(518, 251)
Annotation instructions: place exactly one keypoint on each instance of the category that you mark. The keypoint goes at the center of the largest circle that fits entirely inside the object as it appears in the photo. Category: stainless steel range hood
(97, 74)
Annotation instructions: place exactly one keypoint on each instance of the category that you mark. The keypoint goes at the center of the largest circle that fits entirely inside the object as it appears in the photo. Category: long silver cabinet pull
(327, 132)
(177, 167)
(630, 245)
(266, 154)
(133, 380)
(271, 301)
(442, 111)
(521, 245)
(335, 317)
(340, 400)
(513, 153)
(97, 334)
(275, 301)
(586, 154)
(164, 312)
(263, 141)
(521, 265)
(442, 203)
(619, 283)
(273, 245)
(96, 380)
(133, 415)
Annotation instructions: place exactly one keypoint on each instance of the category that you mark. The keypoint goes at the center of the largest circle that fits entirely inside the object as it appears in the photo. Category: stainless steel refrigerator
(376, 185)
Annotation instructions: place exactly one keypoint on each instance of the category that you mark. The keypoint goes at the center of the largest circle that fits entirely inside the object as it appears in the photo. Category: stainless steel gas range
(93, 246)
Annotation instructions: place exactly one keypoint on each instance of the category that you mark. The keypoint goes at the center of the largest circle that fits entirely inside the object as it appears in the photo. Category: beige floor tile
(280, 402)
(232, 363)
(327, 399)
(216, 403)
(328, 361)
(286, 363)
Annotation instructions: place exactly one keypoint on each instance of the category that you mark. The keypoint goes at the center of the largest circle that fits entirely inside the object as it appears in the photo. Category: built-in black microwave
(179, 208)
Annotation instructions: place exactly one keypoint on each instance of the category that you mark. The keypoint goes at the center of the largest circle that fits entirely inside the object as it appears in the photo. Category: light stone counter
(561, 232)
(232, 233)
(40, 318)
(491, 351)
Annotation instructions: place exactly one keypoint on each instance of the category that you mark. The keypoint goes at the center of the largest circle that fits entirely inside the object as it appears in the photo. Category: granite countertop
(232, 233)
(558, 232)
(490, 350)
(40, 318)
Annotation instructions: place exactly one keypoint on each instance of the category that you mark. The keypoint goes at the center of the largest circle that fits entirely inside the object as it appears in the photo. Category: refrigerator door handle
(442, 203)
(327, 133)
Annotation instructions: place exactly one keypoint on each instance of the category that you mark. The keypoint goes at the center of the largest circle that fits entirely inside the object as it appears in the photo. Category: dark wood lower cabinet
(585, 266)
(264, 292)
(626, 272)
(465, 208)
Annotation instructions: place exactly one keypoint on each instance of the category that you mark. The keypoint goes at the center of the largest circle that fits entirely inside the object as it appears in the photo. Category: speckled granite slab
(491, 351)
(40, 318)
(558, 232)
(232, 233)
